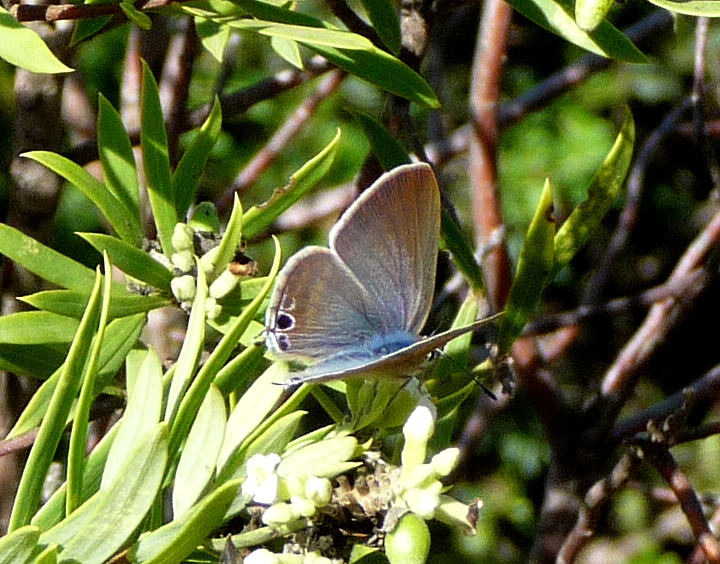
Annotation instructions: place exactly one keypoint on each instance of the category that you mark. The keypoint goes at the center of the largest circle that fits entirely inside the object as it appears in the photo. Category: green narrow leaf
(454, 240)
(186, 178)
(187, 361)
(140, 19)
(20, 546)
(43, 261)
(604, 189)
(156, 160)
(24, 48)
(47, 556)
(709, 8)
(383, 15)
(230, 242)
(250, 411)
(141, 414)
(535, 264)
(34, 361)
(125, 224)
(117, 158)
(72, 303)
(320, 36)
(387, 149)
(53, 511)
(174, 541)
(122, 507)
(287, 49)
(213, 35)
(78, 434)
(589, 14)
(557, 17)
(51, 429)
(236, 372)
(364, 61)
(120, 337)
(259, 218)
(37, 327)
(199, 455)
(131, 260)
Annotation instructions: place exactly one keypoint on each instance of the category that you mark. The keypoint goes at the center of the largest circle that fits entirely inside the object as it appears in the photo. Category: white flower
(262, 482)
(261, 556)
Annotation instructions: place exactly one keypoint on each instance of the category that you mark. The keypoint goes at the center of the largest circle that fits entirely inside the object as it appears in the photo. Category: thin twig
(707, 387)
(621, 377)
(175, 83)
(671, 289)
(293, 125)
(591, 511)
(698, 102)
(659, 456)
(56, 12)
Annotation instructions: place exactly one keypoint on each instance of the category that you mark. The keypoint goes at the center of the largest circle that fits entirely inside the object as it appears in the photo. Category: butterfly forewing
(389, 239)
(319, 307)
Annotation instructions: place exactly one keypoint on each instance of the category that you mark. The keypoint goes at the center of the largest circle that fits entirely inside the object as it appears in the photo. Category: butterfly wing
(319, 308)
(399, 364)
(389, 240)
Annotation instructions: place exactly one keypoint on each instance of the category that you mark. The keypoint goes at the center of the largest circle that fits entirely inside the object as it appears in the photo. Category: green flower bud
(280, 514)
(183, 288)
(419, 477)
(183, 261)
(261, 556)
(318, 490)
(409, 542)
(207, 261)
(182, 238)
(445, 461)
(223, 285)
(418, 429)
(305, 507)
(424, 501)
(212, 309)
(455, 513)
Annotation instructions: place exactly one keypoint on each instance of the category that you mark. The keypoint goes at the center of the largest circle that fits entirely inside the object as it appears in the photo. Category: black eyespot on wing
(285, 321)
(283, 342)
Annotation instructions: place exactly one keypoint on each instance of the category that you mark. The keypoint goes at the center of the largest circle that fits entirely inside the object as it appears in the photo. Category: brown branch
(698, 278)
(705, 388)
(547, 91)
(621, 377)
(592, 509)
(175, 83)
(293, 125)
(488, 66)
(659, 456)
(56, 12)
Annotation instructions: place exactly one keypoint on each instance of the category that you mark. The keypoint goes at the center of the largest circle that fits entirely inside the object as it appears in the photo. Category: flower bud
(409, 542)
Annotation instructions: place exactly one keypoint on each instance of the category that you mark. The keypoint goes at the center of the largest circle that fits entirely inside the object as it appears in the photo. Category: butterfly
(356, 309)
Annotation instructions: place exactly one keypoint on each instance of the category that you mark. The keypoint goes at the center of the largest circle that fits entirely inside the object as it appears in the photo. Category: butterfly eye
(285, 321)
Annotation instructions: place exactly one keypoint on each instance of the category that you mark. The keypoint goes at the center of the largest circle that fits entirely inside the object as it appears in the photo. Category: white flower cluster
(264, 556)
(289, 498)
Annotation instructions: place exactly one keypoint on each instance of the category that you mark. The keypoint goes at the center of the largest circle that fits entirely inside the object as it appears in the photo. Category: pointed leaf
(117, 158)
(124, 222)
(131, 260)
(43, 261)
(186, 178)
(535, 264)
(156, 159)
(24, 48)
(259, 218)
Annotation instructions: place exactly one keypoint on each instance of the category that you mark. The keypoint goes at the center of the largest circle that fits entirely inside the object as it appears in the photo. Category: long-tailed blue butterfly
(357, 308)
